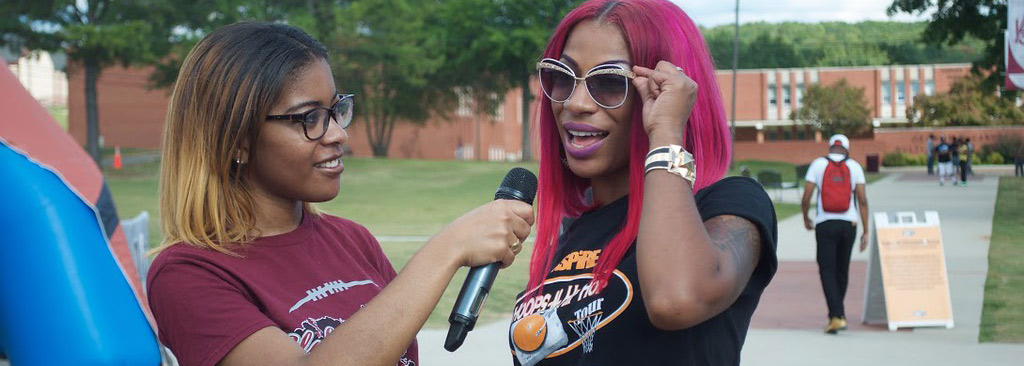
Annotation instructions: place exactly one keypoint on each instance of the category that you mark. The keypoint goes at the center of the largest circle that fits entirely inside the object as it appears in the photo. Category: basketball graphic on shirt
(576, 300)
(530, 332)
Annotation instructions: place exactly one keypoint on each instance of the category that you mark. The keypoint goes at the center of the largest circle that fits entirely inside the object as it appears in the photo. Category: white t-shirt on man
(815, 174)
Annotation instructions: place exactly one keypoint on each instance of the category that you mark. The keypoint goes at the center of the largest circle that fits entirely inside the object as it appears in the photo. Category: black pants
(835, 244)
(963, 171)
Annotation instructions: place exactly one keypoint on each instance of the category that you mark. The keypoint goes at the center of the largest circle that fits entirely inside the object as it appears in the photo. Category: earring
(238, 161)
(565, 162)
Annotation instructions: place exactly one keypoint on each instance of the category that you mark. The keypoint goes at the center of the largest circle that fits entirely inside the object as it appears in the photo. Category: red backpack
(835, 187)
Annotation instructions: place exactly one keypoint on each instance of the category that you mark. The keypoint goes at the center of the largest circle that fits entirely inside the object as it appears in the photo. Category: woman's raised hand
(668, 96)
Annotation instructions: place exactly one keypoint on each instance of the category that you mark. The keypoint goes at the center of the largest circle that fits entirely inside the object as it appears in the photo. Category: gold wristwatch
(674, 159)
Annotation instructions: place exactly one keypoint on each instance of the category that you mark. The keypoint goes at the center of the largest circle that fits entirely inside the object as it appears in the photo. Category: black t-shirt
(943, 152)
(625, 335)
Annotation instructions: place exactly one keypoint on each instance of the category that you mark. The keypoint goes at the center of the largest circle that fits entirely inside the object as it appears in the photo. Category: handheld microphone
(519, 184)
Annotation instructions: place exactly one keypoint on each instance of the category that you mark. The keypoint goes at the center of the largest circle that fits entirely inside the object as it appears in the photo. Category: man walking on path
(931, 155)
(964, 163)
(970, 156)
(944, 155)
(840, 180)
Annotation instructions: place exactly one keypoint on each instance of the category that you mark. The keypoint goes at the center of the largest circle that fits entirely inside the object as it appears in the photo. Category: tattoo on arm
(738, 238)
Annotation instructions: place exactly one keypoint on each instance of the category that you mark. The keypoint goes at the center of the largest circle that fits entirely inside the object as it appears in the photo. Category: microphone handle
(468, 304)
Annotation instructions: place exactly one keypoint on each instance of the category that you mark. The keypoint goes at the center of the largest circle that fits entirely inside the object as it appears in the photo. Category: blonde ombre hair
(225, 89)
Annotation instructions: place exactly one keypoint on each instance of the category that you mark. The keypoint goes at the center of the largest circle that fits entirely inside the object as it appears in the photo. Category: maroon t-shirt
(306, 282)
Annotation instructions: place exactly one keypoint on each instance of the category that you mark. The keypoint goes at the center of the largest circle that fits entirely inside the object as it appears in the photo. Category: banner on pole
(1013, 50)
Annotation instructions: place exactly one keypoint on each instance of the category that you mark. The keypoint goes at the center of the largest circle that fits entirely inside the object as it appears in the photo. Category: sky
(720, 12)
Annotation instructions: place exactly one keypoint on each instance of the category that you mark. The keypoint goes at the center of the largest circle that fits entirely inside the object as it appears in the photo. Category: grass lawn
(61, 115)
(499, 303)
(393, 197)
(134, 191)
(414, 197)
(1001, 319)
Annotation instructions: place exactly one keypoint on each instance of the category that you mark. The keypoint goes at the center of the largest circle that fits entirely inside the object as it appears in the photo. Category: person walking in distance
(954, 150)
(970, 156)
(944, 156)
(842, 203)
(931, 154)
(1018, 161)
(964, 162)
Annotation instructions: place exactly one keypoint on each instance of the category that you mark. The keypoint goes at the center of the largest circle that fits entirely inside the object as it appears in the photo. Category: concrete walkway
(966, 216)
(786, 328)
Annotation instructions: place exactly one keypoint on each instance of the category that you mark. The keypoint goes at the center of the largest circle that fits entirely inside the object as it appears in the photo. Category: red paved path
(794, 299)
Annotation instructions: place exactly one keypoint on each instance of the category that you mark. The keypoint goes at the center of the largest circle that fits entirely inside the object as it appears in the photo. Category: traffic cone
(117, 157)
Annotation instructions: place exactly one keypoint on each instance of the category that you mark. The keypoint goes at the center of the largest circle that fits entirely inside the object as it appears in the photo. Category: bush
(894, 159)
(976, 159)
(1007, 146)
(917, 159)
(901, 159)
(995, 158)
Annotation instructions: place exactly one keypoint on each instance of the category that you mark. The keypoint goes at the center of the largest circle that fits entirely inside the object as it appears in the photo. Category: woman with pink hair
(644, 254)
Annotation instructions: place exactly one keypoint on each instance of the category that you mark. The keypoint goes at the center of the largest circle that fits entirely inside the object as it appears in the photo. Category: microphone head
(519, 184)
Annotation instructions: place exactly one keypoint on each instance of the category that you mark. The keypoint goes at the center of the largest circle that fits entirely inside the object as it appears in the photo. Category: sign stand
(907, 285)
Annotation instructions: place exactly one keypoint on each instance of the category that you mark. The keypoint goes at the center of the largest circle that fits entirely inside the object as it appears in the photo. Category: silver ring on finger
(680, 69)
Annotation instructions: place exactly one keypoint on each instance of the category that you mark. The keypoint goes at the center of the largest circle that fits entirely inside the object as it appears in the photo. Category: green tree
(832, 109)
(94, 34)
(968, 103)
(197, 18)
(772, 52)
(770, 45)
(845, 54)
(384, 52)
(491, 46)
(956, 20)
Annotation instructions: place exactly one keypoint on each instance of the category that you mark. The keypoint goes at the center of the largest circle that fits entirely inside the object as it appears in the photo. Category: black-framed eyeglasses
(315, 121)
(608, 84)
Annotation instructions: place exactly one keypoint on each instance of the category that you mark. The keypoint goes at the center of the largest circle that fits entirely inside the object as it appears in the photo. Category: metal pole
(735, 61)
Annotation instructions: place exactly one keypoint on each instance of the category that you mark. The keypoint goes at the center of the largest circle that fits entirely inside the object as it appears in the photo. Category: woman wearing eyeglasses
(666, 263)
(250, 272)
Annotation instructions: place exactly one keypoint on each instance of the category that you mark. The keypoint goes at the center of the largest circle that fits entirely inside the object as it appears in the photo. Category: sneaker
(964, 184)
(834, 324)
(842, 324)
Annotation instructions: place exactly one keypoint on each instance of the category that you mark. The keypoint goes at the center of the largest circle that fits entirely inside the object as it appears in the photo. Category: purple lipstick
(582, 140)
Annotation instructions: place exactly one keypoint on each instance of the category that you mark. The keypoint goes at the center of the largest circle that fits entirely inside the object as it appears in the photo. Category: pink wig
(655, 30)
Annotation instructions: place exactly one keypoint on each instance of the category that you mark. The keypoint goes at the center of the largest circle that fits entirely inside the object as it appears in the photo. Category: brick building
(132, 115)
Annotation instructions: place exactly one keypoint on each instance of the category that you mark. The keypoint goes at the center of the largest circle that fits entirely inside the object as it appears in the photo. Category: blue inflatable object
(63, 298)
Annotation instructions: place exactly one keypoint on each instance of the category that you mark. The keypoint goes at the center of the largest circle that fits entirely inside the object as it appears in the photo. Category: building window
(771, 96)
(929, 87)
(465, 103)
(785, 95)
(886, 92)
(915, 89)
(901, 94)
(799, 95)
(499, 113)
